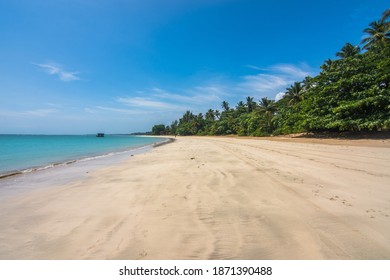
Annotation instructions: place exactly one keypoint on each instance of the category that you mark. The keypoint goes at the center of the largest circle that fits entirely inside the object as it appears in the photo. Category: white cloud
(145, 103)
(263, 83)
(292, 70)
(54, 105)
(39, 112)
(90, 111)
(116, 110)
(212, 93)
(279, 96)
(197, 98)
(197, 95)
(29, 113)
(254, 67)
(275, 80)
(63, 75)
(270, 82)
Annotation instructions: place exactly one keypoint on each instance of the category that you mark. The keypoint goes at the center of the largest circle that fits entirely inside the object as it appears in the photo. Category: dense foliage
(351, 93)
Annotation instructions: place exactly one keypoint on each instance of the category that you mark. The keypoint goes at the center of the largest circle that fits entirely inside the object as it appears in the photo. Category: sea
(21, 154)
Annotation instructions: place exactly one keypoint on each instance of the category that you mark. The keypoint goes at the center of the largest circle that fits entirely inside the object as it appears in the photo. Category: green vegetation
(351, 93)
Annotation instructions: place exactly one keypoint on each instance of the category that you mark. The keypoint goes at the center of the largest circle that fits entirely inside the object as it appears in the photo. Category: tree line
(351, 93)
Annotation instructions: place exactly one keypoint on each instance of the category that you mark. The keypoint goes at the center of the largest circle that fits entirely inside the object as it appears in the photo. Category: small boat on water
(100, 135)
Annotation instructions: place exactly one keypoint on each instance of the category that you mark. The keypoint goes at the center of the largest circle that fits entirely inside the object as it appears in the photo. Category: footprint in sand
(316, 192)
(143, 254)
(167, 216)
(298, 180)
(371, 211)
(346, 203)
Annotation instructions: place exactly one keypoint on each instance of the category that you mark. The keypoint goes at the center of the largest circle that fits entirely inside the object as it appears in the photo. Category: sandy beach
(214, 198)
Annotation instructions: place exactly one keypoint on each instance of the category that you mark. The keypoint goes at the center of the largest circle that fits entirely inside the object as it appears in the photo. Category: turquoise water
(29, 152)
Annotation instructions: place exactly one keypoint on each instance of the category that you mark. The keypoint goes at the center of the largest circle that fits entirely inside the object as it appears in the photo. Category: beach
(213, 198)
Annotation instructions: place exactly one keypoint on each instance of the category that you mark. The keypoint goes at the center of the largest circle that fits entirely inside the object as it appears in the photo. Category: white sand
(214, 198)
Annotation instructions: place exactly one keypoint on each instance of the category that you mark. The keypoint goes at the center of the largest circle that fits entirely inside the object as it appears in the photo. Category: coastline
(212, 198)
(62, 173)
(82, 158)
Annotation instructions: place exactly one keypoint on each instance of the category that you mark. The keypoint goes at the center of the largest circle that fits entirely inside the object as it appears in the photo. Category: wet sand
(214, 198)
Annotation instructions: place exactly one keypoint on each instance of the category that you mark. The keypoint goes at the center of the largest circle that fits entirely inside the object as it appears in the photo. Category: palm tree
(240, 104)
(187, 117)
(307, 83)
(198, 121)
(217, 114)
(210, 115)
(294, 93)
(386, 15)
(328, 64)
(268, 108)
(348, 51)
(267, 105)
(250, 104)
(225, 105)
(378, 34)
(240, 107)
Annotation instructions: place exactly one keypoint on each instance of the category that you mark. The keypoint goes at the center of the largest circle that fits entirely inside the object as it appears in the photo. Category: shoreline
(61, 174)
(212, 198)
(11, 173)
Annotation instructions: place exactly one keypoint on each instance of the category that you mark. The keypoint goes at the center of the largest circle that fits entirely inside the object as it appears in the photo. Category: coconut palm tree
(250, 104)
(268, 108)
(187, 117)
(225, 105)
(217, 114)
(267, 105)
(348, 51)
(328, 64)
(210, 115)
(198, 121)
(307, 83)
(378, 34)
(240, 104)
(240, 107)
(294, 93)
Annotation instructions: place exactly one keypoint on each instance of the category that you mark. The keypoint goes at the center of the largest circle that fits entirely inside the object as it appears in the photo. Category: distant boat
(100, 135)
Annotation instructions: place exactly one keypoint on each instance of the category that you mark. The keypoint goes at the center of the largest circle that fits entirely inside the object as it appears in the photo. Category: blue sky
(119, 66)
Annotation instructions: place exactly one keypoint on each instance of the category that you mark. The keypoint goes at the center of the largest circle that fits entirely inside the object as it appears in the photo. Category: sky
(121, 66)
